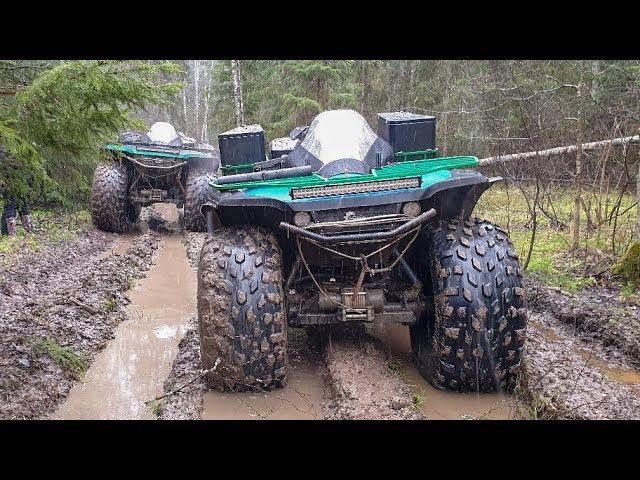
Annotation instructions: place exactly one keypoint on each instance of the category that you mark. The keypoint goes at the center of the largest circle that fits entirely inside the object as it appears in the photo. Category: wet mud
(581, 357)
(59, 307)
(362, 384)
(300, 399)
(184, 386)
(565, 378)
(596, 315)
(131, 370)
(431, 402)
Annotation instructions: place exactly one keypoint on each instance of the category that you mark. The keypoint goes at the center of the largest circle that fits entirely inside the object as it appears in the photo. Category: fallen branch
(559, 150)
(88, 308)
(185, 385)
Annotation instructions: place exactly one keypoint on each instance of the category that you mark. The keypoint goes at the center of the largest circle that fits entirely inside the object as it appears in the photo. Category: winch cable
(313, 278)
(392, 242)
(363, 259)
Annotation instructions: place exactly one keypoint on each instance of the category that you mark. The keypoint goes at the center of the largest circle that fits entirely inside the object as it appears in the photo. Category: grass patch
(110, 305)
(629, 292)
(49, 227)
(418, 396)
(64, 356)
(156, 407)
(529, 405)
(552, 260)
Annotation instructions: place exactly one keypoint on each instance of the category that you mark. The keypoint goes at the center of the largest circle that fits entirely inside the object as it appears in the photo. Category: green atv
(145, 168)
(343, 226)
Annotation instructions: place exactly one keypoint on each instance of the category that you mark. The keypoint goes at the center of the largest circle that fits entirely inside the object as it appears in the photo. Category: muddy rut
(122, 307)
(133, 367)
(565, 380)
(60, 306)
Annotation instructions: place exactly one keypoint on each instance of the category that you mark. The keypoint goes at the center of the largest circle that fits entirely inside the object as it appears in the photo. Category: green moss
(418, 398)
(63, 356)
(628, 267)
(110, 304)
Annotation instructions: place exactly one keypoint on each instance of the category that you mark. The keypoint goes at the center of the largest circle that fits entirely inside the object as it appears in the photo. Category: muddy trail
(581, 358)
(132, 368)
(59, 307)
(105, 326)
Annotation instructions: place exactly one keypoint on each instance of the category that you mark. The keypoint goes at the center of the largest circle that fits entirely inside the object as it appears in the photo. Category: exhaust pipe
(265, 175)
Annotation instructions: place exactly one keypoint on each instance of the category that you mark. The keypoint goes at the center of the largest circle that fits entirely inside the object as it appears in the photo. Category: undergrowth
(66, 357)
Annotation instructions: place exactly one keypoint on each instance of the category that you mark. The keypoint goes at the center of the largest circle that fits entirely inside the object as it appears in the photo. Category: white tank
(162, 132)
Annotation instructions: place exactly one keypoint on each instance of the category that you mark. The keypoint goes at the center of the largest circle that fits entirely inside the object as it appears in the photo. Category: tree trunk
(237, 92)
(578, 178)
(638, 206)
(204, 133)
(184, 106)
(204, 130)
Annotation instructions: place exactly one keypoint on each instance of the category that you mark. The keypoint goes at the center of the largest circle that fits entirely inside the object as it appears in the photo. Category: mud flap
(474, 194)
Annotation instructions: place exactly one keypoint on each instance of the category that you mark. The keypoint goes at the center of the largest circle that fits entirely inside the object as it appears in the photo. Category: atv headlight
(351, 188)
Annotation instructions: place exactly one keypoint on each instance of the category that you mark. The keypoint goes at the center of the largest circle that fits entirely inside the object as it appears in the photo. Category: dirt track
(580, 362)
(71, 293)
(133, 367)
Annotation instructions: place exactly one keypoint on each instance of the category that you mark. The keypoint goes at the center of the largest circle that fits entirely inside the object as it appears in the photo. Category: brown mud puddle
(133, 367)
(621, 375)
(438, 404)
(300, 399)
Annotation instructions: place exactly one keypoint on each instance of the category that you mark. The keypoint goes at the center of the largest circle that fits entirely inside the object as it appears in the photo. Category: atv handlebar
(359, 237)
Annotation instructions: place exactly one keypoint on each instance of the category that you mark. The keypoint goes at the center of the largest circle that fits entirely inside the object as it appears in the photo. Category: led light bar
(351, 188)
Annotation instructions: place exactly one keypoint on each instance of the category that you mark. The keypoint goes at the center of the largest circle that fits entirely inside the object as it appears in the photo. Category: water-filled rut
(131, 370)
(436, 404)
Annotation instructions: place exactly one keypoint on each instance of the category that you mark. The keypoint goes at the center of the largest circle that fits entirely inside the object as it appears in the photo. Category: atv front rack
(360, 237)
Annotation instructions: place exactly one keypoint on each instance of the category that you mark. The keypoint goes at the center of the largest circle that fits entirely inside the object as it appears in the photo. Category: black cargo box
(407, 132)
(242, 145)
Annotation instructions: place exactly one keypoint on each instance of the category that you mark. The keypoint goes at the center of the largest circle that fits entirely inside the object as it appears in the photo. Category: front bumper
(361, 237)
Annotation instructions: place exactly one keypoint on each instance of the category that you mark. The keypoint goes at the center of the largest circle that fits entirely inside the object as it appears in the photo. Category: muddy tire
(111, 210)
(474, 339)
(241, 312)
(198, 193)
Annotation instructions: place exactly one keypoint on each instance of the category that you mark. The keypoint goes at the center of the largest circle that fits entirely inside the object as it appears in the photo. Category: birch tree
(578, 178)
(237, 92)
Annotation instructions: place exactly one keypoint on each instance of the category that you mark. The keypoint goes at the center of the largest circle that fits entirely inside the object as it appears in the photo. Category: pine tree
(53, 122)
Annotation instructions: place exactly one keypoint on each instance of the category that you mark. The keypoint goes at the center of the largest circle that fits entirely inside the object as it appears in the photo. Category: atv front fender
(451, 197)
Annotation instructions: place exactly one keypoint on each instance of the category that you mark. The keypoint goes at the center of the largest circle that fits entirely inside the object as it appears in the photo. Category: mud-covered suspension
(360, 300)
(155, 180)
